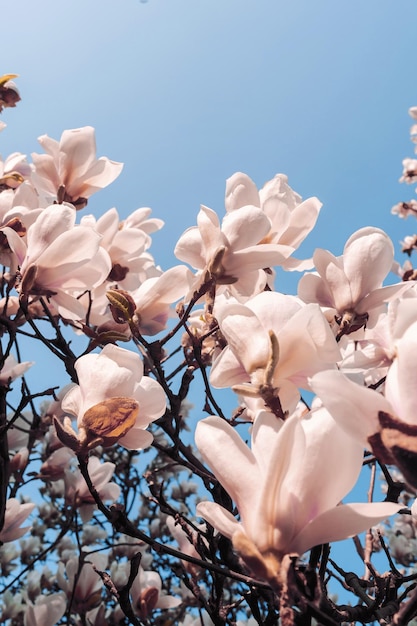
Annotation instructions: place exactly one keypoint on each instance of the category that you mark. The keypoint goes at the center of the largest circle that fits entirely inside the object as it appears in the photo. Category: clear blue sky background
(186, 92)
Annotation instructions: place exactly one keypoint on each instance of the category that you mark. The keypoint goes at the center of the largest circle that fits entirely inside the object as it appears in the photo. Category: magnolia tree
(120, 503)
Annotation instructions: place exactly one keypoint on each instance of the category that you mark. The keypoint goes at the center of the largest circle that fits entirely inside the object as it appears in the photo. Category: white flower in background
(12, 369)
(113, 402)
(232, 253)
(47, 610)
(82, 585)
(291, 218)
(16, 514)
(287, 487)
(70, 168)
(404, 209)
(78, 495)
(275, 343)
(409, 171)
(352, 283)
(146, 590)
(387, 423)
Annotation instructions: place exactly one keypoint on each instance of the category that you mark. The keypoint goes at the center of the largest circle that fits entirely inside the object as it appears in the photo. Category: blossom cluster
(347, 336)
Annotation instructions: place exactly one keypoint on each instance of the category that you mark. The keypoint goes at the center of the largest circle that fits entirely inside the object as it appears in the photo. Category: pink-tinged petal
(383, 294)
(16, 244)
(169, 287)
(292, 264)
(54, 221)
(74, 247)
(248, 285)
(367, 259)
(354, 407)
(312, 288)
(342, 522)
(217, 442)
(51, 146)
(332, 271)
(101, 174)
(67, 306)
(151, 398)
(72, 401)
(307, 485)
(124, 358)
(168, 602)
(400, 385)
(245, 227)
(302, 220)
(219, 518)
(77, 151)
(256, 258)
(275, 519)
(189, 248)
(107, 225)
(245, 336)
(274, 309)
(46, 173)
(240, 191)
(401, 315)
(264, 432)
(279, 188)
(211, 236)
(307, 343)
(227, 370)
(136, 439)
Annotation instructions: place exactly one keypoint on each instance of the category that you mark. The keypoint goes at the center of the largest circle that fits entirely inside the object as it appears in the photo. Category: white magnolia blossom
(78, 495)
(71, 165)
(387, 423)
(16, 514)
(352, 283)
(47, 610)
(12, 369)
(291, 219)
(113, 401)
(60, 260)
(275, 343)
(232, 253)
(287, 487)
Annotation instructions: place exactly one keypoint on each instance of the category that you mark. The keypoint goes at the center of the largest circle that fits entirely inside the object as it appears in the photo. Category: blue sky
(186, 92)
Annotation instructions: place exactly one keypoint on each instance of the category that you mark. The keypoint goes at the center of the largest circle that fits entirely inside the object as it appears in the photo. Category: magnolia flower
(274, 341)
(47, 610)
(404, 209)
(77, 493)
(287, 488)
(16, 514)
(155, 295)
(232, 254)
(146, 590)
(352, 283)
(386, 424)
(125, 247)
(113, 402)
(291, 219)
(12, 369)
(82, 585)
(70, 171)
(60, 259)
